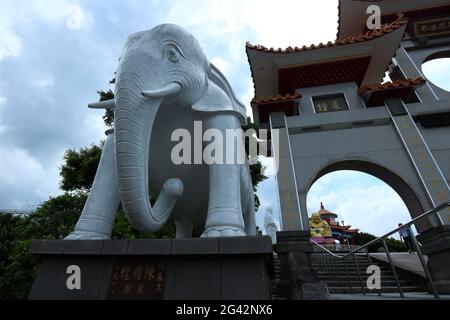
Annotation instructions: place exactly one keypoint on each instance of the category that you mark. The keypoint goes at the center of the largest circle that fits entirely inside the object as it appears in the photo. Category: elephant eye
(173, 54)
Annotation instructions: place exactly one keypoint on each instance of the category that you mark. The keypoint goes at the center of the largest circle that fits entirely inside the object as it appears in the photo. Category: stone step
(352, 263)
(334, 266)
(335, 290)
(353, 277)
(350, 273)
(344, 271)
(356, 283)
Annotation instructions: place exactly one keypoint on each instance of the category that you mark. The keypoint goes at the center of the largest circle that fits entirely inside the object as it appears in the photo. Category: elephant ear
(220, 97)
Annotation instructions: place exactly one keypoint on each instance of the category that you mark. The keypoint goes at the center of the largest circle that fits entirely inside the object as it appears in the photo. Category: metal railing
(329, 260)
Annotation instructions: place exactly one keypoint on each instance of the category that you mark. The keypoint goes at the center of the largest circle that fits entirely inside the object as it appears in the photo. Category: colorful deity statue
(319, 228)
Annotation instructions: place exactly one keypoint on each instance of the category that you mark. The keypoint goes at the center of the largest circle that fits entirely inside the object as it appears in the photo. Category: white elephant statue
(164, 82)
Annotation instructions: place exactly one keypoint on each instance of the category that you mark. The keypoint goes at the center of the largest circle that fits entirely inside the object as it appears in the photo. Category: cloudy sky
(55, 55)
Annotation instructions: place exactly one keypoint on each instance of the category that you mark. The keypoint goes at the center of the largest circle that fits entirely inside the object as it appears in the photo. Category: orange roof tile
(369, 35)
(277, 98)
(403, 83)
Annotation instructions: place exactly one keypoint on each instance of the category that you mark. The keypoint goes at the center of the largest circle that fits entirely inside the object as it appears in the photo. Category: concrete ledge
(47, 247)
(195, 246)
(149, 247)
(245, 245)
(185, 269)
(115, 247)
(159, 247)
(83, 247)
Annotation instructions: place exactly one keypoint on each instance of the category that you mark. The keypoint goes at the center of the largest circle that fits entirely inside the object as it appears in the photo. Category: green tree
(256, 168)
(361, 238)
(79, 168)
(8, 223)
(108, 117)
(53, 219)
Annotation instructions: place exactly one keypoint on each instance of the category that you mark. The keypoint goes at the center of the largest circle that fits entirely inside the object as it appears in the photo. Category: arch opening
(436, 69)
(371, 196)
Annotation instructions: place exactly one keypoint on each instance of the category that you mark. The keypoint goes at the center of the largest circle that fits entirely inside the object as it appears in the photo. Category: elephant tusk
(107, 104)
(168, 90)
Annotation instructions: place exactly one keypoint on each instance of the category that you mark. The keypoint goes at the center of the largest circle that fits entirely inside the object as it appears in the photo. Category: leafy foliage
(124, 230)
(394, 245)
(108, 117)
(256, 169)
(79, 168)
(54, 219)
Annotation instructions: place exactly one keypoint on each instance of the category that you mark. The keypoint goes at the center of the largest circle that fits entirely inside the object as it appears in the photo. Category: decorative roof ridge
(277, 98)
(369, 35)
(401, 83)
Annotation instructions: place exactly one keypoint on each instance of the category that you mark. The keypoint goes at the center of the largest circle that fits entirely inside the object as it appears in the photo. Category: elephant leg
(224, 218)
(99, 212)
(184, 229)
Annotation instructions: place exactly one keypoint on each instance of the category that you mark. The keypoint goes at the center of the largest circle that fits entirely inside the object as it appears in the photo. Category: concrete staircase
(342, 280)
(276, 278)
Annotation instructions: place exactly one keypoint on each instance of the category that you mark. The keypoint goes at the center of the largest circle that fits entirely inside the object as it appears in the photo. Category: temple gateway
(333, 112)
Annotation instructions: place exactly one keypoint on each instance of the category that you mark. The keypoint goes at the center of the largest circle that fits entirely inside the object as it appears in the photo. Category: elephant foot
(216, 232)
(86, 235)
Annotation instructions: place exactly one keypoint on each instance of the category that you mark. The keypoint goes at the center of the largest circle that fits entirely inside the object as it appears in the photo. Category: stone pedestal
(298, 280)
(436, 245)
(188, 269)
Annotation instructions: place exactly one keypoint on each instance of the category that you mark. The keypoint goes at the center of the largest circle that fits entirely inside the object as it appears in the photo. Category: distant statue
(270, 225)
(319, 228)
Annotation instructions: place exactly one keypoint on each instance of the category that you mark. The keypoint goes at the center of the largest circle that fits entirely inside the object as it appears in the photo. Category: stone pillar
(298, 280)
(410, 70)
(435, 241)
(436, 245)
(290, 214)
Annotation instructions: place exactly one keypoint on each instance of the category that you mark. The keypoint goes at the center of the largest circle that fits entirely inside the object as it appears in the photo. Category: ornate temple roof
(362, 58)
(324, 211)
(352, 13)
(375, 94)
(326, 214)
(277, 98)
(402, 83)
(363, 36)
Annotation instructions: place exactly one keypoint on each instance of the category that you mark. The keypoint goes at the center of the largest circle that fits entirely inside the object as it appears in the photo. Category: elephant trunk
(134, 118)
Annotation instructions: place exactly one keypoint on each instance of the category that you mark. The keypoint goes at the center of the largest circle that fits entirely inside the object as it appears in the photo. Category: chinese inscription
(330, 103)
(137, 280)
(290, 217)
(432, 28)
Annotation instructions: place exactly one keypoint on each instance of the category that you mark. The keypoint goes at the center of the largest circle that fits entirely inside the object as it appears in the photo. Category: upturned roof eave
(352, 15)
(264, 64)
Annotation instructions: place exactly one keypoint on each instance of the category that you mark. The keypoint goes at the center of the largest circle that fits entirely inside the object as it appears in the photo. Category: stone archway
(402, 188)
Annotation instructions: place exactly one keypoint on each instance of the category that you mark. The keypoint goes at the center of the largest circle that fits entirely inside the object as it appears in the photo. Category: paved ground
(403, 260)
(387, 296)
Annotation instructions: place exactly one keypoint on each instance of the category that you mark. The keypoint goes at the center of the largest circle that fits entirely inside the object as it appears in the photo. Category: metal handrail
(323, 248)
(413, 221)
(383, 237)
